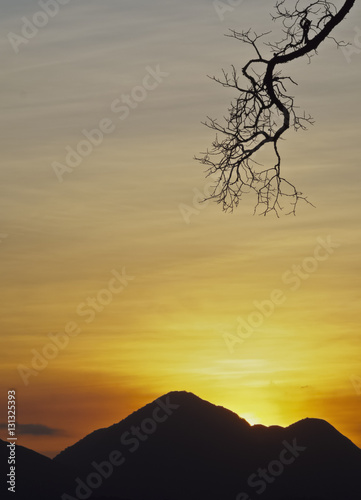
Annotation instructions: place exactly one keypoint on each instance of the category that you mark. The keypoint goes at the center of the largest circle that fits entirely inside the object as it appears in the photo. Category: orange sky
(117, 221)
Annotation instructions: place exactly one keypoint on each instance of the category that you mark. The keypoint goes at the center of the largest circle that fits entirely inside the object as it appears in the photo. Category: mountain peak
(181, 446)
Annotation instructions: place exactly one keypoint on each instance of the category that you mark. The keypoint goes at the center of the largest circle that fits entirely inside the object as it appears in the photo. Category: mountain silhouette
(36, 476)
(182, 447)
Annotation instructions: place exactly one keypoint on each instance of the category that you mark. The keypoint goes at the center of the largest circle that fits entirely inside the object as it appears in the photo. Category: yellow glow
(251, 419)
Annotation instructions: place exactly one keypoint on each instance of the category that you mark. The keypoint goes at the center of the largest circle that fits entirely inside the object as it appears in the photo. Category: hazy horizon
(55, 453)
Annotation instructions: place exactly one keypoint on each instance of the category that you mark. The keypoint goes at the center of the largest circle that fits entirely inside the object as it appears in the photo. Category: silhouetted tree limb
(264, 110)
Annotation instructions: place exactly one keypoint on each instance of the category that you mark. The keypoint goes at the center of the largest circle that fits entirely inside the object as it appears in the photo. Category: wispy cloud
(34, 429)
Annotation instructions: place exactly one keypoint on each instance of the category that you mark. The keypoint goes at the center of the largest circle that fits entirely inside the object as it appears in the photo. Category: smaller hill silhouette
(36, 476)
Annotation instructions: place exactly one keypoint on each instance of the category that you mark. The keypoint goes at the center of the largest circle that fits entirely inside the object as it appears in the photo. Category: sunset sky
(129, 212)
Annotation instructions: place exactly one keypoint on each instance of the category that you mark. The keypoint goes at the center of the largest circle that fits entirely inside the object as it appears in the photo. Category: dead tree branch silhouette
(264, 110)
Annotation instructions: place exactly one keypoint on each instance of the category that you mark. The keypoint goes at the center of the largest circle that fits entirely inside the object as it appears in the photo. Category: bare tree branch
(264, 110)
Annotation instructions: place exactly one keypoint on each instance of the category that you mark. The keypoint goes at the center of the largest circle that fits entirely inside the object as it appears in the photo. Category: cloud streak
(34, 429)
